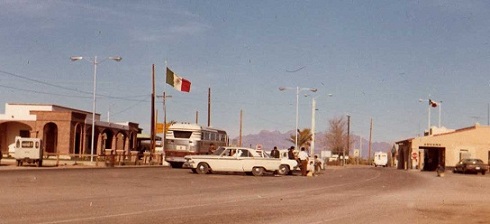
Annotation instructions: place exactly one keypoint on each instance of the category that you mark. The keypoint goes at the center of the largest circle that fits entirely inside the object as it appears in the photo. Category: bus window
(182, 134)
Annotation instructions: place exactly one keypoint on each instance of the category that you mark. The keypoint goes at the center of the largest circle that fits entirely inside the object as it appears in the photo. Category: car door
(228, 161)
(246, 160)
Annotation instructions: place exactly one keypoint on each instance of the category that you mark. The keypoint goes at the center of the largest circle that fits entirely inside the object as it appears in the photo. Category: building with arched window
(64, 131)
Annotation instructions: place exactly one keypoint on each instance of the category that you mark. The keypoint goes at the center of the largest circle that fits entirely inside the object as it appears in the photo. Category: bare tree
(336, 136)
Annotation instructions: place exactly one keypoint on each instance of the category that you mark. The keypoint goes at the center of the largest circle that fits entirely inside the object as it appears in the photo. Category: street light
(313, 123)
(298, 90)
(95, 63)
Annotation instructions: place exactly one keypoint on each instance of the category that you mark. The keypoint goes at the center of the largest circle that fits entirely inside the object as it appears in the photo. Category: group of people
(302, 158)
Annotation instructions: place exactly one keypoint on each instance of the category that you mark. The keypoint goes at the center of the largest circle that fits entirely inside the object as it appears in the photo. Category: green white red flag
(432, 103)
(178, 82)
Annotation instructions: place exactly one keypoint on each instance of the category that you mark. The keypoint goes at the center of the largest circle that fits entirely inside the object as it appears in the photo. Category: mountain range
(269, 139)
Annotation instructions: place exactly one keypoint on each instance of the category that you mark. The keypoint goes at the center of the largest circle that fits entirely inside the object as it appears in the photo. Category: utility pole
(241, 126)
(348, 139)
(209, 107)
(370, 141)
(152, 149)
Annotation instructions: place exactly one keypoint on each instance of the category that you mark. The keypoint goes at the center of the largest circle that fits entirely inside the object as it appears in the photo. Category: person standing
(211, 149)
(275, 153)
(318, 164)
(303, 158)
(291, 153)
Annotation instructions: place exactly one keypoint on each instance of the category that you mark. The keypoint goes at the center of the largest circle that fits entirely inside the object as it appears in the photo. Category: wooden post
(370, 141)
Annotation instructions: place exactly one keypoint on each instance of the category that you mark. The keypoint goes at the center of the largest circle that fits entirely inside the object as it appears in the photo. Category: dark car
(471, 166)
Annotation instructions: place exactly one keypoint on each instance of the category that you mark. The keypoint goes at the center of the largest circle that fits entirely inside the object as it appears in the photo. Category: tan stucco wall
(476, 140)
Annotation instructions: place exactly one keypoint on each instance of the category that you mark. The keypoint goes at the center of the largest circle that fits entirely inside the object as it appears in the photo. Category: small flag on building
(178, 82)
(432, 103)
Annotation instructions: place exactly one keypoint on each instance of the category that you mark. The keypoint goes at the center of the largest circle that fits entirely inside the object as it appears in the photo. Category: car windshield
(218, 151)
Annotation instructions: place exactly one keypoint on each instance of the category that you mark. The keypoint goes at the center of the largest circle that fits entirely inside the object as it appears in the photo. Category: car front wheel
(202, 168)
(283, 169)
(258, 171)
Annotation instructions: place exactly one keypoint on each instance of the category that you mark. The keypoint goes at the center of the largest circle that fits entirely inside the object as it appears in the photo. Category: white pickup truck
(235, 159)
(28, 150)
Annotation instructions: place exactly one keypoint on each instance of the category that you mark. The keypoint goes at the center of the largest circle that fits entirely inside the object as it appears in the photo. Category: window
(182, 134)
(245, 153)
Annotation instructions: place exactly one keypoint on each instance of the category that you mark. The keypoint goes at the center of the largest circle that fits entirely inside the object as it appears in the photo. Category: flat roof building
(64, 131)
(444, 147)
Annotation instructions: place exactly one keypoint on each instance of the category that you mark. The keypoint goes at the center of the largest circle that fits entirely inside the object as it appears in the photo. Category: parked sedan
(235, 159)
(471, 166)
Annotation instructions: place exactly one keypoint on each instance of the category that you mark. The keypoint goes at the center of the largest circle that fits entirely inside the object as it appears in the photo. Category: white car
(235, 159)
(292, 165)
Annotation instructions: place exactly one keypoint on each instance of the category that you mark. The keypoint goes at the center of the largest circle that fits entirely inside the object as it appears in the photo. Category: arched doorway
(107, 137)
(10, 129)
(77, 147)
(50, 138)
(120, 141)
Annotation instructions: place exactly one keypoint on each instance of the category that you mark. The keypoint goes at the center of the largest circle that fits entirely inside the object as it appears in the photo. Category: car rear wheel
(483, 172)
(283, 169)
(202, 168)
(258, 171)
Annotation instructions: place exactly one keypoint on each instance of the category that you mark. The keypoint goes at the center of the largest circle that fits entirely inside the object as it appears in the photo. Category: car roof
(472, 160)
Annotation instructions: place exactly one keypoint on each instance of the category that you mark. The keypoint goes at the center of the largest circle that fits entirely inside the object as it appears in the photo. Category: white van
(28, 150)
(381, 159)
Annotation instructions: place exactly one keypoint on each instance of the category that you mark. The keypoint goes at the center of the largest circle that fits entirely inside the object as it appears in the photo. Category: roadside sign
(356, 152)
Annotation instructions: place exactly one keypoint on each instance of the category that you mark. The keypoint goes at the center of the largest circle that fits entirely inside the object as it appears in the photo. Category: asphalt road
(164, 195)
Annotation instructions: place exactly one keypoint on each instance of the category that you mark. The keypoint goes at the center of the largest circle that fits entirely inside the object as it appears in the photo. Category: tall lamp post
(95, 63)
(313, 123)
(298, 90)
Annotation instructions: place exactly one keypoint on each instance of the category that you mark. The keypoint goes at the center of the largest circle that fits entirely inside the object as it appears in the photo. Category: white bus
(191, 139)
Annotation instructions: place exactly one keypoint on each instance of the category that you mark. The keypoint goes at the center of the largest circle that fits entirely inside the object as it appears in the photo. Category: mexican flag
(432, 103)
(178, 82)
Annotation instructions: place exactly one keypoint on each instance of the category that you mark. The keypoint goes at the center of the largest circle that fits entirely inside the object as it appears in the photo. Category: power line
(43, 82)
(34, 91)
(128, 98)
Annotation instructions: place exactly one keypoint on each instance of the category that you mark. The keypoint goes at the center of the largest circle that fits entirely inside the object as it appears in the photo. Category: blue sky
(378, 58)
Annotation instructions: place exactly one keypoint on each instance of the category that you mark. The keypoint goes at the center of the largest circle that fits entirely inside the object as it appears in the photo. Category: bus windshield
(182, 134)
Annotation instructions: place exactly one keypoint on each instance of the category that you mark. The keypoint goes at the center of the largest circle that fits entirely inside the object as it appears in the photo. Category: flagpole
(440, 105)
(428, 120)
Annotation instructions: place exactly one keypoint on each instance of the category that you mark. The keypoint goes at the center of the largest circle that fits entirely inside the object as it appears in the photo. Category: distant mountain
(269, 139)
